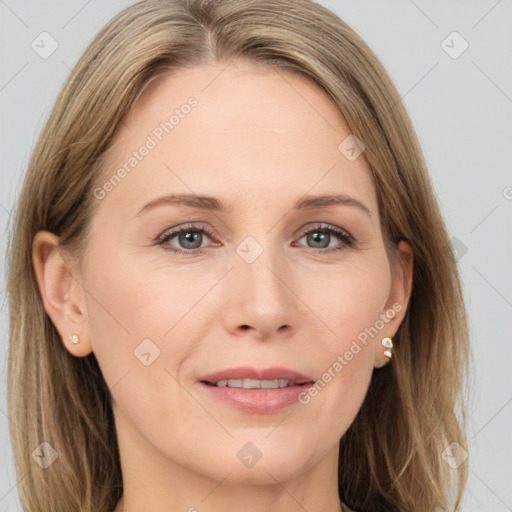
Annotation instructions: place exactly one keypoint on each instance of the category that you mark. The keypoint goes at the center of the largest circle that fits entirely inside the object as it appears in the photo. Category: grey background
(462, 110)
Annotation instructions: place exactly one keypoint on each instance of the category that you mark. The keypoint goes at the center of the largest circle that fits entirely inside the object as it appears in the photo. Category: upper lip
(246, 372)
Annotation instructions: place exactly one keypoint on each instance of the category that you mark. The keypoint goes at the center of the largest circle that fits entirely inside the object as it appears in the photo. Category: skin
(258, 140)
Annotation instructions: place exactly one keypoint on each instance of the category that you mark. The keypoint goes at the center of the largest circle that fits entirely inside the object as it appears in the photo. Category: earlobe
(387, 343)
(62, 296)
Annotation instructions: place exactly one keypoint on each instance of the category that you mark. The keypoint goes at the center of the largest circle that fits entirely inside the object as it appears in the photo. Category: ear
(62, 294)
(398, 300)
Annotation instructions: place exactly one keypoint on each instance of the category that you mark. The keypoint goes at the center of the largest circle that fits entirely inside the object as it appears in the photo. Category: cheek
(145, 319)
(141, 336)
(139, 302)
(122, 309)
(349, 299)
(349, 304)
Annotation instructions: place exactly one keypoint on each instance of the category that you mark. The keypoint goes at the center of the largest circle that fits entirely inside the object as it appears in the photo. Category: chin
(263, 463)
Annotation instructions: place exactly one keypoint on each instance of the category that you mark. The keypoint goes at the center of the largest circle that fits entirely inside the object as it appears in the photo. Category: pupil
(187, 239)
(319, 237)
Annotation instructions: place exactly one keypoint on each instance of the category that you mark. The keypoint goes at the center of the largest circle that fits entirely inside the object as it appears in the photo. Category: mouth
(255, 383)
(256, 390)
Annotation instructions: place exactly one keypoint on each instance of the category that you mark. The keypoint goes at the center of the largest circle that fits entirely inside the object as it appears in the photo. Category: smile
(253, 383)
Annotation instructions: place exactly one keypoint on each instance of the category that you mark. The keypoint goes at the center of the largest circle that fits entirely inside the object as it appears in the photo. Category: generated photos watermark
(152, 140)
(354, 349)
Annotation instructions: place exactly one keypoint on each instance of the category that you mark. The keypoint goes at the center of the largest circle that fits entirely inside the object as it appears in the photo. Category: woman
(230, 284)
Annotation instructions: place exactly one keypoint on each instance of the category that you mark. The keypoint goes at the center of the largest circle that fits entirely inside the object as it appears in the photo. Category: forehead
(237, 127)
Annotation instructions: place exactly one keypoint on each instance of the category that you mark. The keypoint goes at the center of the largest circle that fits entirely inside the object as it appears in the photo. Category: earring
(388, 343)
(74, 338)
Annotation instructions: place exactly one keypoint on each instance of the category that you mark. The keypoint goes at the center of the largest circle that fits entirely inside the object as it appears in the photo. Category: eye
(190, 238)
(323, 234)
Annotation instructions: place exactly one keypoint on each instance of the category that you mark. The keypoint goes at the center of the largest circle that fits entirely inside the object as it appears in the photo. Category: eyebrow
(211, 203)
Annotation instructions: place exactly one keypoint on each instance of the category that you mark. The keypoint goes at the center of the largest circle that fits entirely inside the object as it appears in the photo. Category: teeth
(254, 383)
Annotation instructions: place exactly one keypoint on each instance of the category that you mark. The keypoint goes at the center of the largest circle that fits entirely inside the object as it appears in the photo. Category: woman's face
(268, 278)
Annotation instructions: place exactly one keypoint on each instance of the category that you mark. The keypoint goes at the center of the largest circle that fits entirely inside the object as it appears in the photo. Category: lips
(256, 401)
(258, 374)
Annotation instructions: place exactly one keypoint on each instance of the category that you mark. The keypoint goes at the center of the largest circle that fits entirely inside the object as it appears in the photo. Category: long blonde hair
(391, 456)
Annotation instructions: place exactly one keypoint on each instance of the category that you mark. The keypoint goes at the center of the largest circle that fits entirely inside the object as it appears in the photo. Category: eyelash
(346, 238)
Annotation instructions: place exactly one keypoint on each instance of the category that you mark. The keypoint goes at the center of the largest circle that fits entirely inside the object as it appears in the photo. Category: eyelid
(190, 227)
(321, 226)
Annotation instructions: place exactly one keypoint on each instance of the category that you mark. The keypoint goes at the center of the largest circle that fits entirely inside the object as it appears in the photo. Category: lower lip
(259, 401)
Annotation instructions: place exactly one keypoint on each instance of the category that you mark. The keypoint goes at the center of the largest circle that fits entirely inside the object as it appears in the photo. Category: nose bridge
(260, 263)
(262, 299)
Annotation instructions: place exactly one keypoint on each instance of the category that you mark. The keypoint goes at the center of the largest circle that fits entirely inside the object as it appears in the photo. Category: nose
(262, 301)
